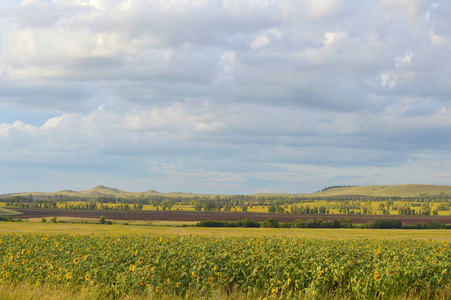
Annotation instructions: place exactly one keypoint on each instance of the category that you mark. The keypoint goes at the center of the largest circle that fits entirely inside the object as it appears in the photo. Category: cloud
(231, 92)
(411, 11)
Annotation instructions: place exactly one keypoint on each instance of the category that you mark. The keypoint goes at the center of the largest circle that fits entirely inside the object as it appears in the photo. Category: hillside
(103, 190)
(406, 190)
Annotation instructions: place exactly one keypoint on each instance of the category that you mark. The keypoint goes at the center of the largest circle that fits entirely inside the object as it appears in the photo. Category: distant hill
(103, 190)
(405, 190)
(66, 192)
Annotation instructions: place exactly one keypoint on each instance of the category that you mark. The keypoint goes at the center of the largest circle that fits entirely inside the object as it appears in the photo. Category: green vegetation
(242, 223)
(261, 266)
(318, 223)
(8, 212)
(366, 200)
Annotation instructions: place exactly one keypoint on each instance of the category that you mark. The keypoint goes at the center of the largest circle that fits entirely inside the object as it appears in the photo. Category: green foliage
(9, 219)
(427, 225)
(318, 223)
(242, 223)
(269, 267)
(384, 224)
(270, 223)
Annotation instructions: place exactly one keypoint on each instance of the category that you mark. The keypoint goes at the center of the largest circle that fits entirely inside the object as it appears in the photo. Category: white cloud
(333, 37)
(18, 126)
(411, 10)
(260, 42)
(404, 61)
(226, 67)
(435, 38)
(322, 8)
(228, 89)
(264, 39)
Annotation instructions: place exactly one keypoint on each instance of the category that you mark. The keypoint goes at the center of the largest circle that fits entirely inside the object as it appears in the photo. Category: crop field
(177, 228)
(149, 252)
(191, 216)
(261, 266)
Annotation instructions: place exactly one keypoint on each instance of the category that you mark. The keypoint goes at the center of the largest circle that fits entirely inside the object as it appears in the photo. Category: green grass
(8, 212)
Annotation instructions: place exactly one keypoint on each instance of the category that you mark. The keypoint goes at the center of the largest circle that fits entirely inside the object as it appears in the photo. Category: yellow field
(156, 229)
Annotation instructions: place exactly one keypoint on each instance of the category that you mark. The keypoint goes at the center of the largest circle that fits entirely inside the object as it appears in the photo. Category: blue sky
(224, 96)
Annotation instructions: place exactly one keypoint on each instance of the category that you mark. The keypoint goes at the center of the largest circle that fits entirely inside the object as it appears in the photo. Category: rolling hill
(406, 190)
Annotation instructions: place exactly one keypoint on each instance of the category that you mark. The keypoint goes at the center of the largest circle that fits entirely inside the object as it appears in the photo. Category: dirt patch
(220, 216)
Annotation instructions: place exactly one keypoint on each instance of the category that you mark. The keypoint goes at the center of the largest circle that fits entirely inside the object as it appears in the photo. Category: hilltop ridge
(406, 190)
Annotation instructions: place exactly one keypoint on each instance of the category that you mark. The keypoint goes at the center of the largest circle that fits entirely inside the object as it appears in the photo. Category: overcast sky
(224, 96)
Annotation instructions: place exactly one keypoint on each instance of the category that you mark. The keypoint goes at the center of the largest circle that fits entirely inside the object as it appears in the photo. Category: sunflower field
(272, 267)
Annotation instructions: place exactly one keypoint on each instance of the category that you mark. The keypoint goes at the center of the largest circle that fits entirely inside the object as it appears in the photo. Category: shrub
(248, 223)
(270, 223)
(384, 224)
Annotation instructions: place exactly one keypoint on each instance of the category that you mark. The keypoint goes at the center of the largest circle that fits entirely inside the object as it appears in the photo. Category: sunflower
(177, 284)
(60, 277)
(69, 284)
(87, 277)
(76, 261)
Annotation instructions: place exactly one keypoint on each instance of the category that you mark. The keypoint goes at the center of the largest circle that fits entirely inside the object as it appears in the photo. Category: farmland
(192, 216)
(151, 250)
(261, 266)
(406, 200)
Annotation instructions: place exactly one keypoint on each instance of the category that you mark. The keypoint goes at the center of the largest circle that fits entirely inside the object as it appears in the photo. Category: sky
(224, 96)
